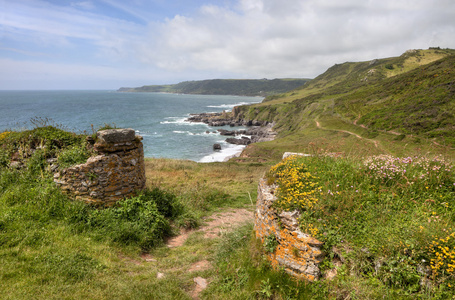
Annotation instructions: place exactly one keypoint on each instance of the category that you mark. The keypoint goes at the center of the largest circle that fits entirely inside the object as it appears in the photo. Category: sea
(160, 118)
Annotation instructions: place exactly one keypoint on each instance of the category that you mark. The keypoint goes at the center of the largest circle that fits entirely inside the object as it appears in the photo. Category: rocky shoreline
(256, 132)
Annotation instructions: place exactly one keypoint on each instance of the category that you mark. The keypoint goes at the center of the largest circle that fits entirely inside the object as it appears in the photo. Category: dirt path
(213, 227)
(376, 143)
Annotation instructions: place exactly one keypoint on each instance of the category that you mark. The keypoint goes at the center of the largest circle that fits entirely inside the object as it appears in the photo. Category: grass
(385, 237)
(57, 248)
(389, 220)
(206, 187)
(52, 247)
(415, 58)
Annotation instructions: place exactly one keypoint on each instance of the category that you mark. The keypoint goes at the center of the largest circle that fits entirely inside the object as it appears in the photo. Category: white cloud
(273, 38)
(238, 38)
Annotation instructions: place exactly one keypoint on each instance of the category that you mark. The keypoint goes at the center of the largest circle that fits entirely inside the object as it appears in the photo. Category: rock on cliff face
(116, 173)
(297, 252)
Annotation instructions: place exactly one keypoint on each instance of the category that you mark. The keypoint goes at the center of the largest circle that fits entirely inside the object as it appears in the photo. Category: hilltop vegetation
(407, 99)
(239, 87)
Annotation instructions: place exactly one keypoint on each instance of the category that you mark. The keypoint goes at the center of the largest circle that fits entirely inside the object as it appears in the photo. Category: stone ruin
(117, 172)
(297, 252)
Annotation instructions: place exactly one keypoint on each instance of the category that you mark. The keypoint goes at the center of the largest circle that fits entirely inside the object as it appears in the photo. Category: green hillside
(382, 175)
(240, 87)
(382, 102)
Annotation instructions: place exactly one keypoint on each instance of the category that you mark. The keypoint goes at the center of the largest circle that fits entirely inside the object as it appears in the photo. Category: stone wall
(117, 172)
(297, 252)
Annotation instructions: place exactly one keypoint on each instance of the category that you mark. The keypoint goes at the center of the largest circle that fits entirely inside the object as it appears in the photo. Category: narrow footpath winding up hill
(408, 99)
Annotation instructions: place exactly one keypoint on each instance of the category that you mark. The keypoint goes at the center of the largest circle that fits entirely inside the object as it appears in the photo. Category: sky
(108, 44)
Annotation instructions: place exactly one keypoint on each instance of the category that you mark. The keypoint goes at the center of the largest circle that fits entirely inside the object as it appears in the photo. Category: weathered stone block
(110, 176)
(297, 252)
(116, 136)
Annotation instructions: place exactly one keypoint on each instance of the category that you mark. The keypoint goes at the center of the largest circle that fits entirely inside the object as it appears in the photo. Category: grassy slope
(393, 104)
(382, 230)
(353, 74)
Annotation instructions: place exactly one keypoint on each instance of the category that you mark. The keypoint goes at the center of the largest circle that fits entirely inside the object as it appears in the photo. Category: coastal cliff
(239, 87)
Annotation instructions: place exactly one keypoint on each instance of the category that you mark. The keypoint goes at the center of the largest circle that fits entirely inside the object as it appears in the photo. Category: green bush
(141, 220)
(166, 202)
(136, 221)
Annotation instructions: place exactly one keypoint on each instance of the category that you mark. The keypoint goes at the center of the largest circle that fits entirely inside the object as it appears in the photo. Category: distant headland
(238, 87)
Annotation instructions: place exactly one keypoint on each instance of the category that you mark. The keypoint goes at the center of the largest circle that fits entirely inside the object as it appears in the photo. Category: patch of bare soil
(214, 226)
(201, 284)
(200, 266)
(178, 240)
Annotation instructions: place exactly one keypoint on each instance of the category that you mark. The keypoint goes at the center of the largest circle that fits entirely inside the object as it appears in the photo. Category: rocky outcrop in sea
(257, 131)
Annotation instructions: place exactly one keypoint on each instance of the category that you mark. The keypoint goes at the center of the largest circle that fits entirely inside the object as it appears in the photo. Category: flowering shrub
(395, 215)
(312, 229)
(296, 187)
(4, 135)
(443, 252)
(410, 170)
